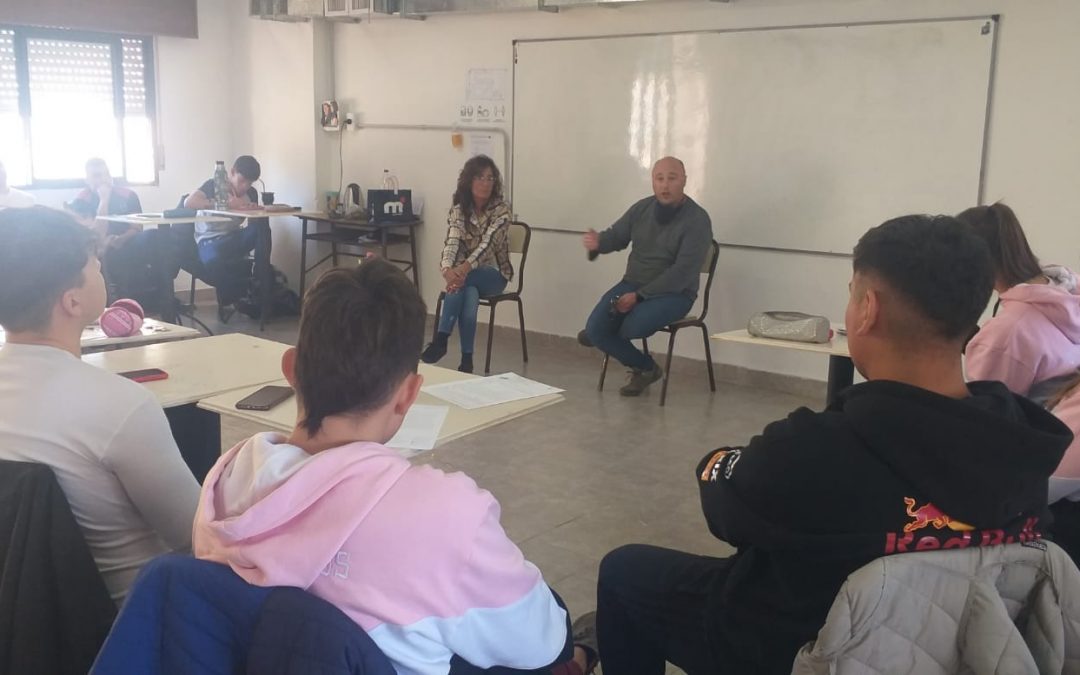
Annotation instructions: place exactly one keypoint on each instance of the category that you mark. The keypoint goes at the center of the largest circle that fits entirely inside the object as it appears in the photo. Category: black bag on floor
(283, 300)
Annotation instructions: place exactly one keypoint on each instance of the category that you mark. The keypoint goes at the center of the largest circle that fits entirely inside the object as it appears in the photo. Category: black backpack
(283, 300)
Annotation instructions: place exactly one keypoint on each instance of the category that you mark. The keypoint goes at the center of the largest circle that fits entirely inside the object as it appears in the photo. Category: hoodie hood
(249, 514)
(1057, 301)
(983, 460)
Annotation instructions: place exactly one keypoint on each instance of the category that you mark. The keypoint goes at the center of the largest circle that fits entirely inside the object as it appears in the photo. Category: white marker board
(793, 138)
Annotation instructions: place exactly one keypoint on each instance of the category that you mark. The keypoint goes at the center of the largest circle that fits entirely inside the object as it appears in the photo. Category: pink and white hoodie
(1034, 337)
(414, 555)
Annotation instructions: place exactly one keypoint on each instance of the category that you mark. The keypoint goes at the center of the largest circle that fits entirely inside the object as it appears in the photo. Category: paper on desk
(420, 429)
(484, 391)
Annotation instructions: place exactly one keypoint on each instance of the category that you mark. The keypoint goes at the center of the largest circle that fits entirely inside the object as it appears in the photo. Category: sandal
(584, 635)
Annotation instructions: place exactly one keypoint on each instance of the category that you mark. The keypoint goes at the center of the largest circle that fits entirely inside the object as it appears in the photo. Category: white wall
(414, 72)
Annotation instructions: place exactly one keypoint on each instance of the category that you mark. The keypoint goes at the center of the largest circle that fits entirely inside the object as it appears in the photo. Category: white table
(198, 369)
(159, 220)
(153, 331)
(459, 421)
(201, 368)
(841, 367)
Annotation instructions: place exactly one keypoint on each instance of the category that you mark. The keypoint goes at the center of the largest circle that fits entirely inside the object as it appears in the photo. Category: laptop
(390, 206)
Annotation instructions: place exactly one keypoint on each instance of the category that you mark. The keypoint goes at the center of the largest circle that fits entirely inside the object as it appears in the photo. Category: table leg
(841, 376)
(303, 255)
(263, 270)
(162, 265)
(198, 435)
(415, 260)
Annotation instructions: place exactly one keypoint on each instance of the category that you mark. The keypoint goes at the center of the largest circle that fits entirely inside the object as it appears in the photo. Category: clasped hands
(455, 276)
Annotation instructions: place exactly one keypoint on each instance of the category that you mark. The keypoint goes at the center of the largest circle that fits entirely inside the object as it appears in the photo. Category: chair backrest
(215, 621)
(709, 267)
(55, 611)
(520, 236)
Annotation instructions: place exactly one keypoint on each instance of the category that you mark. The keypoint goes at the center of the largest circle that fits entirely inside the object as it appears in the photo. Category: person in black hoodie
(913, 459)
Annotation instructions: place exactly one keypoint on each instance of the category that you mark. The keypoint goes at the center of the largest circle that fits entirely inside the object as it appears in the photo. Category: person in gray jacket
(670, 236)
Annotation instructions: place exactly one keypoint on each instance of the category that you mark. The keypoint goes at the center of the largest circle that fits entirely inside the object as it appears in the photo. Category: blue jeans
(462, 305)
(612, 332)
(220, 254)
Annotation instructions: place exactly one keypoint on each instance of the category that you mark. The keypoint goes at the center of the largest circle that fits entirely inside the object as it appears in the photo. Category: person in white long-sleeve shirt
(105, 437)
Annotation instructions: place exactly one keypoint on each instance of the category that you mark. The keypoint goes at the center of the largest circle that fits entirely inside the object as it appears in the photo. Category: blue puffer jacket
(191, 616)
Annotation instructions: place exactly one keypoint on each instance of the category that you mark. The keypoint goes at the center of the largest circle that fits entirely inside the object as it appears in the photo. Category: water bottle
(221, 186)
(389, 181)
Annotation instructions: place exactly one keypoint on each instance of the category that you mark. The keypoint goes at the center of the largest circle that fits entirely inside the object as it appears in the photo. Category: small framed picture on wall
(331, 120)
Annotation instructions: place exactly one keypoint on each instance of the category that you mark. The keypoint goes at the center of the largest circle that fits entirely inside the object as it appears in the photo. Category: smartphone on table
(265, 398)
(145, 375)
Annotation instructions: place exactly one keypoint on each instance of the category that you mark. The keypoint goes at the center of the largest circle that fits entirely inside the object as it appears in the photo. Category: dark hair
(248, 167)
(361, 332)
(1014, 262)
(473, 168)
(42, 254)
(937, 264)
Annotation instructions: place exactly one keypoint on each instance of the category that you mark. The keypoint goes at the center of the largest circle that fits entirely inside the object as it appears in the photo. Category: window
(67, 96)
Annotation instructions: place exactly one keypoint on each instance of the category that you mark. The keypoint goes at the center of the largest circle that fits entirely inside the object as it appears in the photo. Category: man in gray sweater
(671, 235)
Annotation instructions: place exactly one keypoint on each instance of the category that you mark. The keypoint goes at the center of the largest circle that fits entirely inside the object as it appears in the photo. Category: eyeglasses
(485, 179)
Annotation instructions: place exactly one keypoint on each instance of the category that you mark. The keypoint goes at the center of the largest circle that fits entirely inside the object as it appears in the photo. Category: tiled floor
(597, 471)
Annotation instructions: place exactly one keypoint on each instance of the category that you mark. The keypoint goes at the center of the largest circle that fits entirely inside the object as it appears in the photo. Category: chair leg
(334, 253)
(191, 298)
(708, 358)
(438, 316)
(603, 373)
(645, 345)
(667, 367)
(521, 322)
(491, 336)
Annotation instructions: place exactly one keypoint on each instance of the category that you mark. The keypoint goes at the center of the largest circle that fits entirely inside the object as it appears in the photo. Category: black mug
(268, 198)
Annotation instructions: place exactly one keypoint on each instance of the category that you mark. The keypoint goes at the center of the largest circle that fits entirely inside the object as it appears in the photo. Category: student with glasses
(475, 258)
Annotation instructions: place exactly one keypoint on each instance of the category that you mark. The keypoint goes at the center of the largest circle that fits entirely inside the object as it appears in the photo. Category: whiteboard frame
(981, 188)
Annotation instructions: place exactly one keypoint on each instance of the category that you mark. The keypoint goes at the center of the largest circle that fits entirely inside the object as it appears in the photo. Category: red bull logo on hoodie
(930, 516)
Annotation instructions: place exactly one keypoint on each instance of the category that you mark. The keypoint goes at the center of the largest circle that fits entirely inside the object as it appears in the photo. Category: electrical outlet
(350, 120)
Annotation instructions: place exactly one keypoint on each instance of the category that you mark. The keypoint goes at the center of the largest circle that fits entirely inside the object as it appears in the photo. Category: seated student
(1035, 336)
(105, 437)
(10, 198)
(415, 556)
(129, 257)
(912, 460)
(221, 245)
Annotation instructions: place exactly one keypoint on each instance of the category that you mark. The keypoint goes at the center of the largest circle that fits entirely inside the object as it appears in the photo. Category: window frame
(115, 41)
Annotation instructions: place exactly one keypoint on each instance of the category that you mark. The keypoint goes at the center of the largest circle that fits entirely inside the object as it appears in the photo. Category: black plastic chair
(692, 321)
(520, 235)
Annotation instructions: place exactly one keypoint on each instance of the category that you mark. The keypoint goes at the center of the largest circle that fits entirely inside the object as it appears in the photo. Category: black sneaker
(583, 339)
(640, 380)
(466, 365)
(433, 353)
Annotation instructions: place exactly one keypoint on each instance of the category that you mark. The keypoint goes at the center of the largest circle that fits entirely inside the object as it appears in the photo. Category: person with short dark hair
(222, 246)
(1034, 338)
(669, 235)
(130, 257)
(105, 437)
(914, 459)
(415, 556)
(475, 258)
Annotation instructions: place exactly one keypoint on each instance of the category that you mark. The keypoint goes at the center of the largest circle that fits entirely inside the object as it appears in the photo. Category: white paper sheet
(420, 429)
(486, 391)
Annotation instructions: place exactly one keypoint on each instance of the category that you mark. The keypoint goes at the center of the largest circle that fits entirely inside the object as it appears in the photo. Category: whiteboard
(793, 138)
